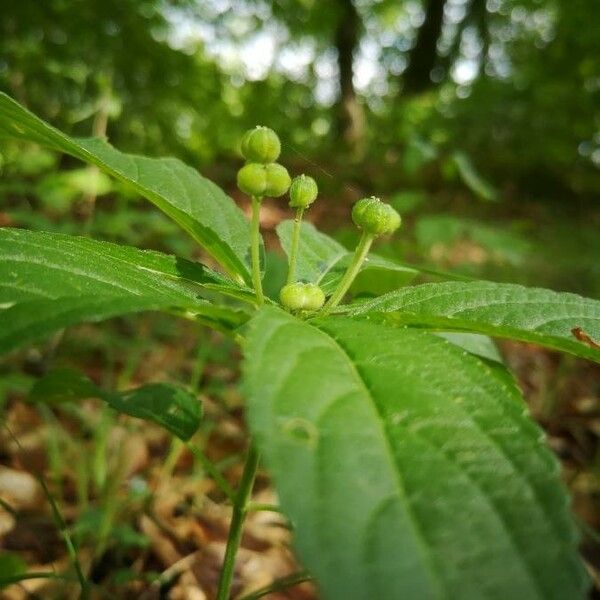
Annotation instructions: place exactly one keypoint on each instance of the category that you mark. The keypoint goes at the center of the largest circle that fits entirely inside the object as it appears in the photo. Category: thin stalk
(294, 249)
(62, 526)
(213, 471)
(260, 506)
(255, 249)
(71, 549)
(279, 585)
(240, 508)
(8, 579)
(362, 249)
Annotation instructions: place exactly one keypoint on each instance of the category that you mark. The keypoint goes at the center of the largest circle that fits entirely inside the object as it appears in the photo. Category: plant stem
(294, 249)
(240, 508)
(62, 526)
(259, 506)
(279, 585)
(362, 249)
(255, 249)
(213, 471)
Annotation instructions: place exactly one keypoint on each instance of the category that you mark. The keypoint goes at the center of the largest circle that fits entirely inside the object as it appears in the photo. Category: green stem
(362, 249)
(240, 508)
(71, 549)
(294, 249)
(260, 506)
(255, 249)
(213, 471)
(61, 524)
(279, 585)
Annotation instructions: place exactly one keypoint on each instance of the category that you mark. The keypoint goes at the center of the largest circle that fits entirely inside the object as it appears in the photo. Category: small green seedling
(396, 437)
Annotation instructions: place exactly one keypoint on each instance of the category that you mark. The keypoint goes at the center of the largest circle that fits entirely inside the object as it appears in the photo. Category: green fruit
(302, 296)
(261, 145)
(375, 217)
(252, 179)
(260, 180)
(278, 180)
(303, 191)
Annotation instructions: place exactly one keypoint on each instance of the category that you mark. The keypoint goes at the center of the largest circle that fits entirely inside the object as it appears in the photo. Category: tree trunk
(423, 56)
(350, 116)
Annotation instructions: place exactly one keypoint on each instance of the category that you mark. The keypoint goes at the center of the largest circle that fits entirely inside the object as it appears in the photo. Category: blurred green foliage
(486, 110)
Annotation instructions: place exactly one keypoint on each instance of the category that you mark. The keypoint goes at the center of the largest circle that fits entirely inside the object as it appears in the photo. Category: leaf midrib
(402, 496)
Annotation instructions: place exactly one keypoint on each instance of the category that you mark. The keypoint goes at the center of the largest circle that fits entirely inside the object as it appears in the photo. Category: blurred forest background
(478, 119)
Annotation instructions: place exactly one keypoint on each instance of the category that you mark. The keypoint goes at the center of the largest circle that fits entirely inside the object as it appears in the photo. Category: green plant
(403, 457)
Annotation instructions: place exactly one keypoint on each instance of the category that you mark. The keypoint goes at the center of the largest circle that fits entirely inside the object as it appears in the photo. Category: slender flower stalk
(362, 249)
(240, 508)
(295, 242)
(375, 218)
(255, 249)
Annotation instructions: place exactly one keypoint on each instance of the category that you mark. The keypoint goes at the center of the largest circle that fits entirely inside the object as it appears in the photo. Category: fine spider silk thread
(325, 172)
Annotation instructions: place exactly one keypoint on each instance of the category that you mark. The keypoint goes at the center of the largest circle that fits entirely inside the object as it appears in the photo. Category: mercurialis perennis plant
(395, 435)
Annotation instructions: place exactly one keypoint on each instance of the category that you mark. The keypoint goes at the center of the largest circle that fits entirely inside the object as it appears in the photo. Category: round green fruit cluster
(261, 175)
(259, 180)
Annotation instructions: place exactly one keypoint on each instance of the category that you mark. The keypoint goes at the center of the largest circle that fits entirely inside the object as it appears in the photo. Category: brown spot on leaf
(582, 336)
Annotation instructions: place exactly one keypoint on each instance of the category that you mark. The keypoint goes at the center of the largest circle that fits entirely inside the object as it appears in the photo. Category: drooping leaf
(322, 260)
(409, 468)
(498, 309)
(479, 345)
(49, 281)
(170, 406)
(199, 206)
(174, 408)
(473, 179)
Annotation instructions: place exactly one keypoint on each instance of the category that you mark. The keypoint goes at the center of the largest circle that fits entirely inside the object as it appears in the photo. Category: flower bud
(303, 191)
(375, 217)
(302, 296)
(260, 180)
(261, 145)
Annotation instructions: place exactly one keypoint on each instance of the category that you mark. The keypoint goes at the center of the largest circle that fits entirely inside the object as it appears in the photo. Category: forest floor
(148, 520)
(146, 517)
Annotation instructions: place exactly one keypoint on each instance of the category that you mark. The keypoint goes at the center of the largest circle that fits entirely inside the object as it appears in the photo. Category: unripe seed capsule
(278, 180)
(260, 180)
(302, 296)
(303, 191)
(375, 217)
(261, 145)
(252, 179)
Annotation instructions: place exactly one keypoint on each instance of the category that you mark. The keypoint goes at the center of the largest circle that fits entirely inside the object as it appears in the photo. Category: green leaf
(407, 466)
(12, 567)
(199, 206)
(498, 309)
(170, 406)
(49, 281)
(479, 345)
(472, 179)
(322, 260)
(501, 246)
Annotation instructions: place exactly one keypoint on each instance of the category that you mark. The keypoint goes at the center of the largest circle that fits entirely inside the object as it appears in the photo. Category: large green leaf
(49, 281)
(168, 405)
(536, 315)
(195, 203)
(408, 467)
(322, 260)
